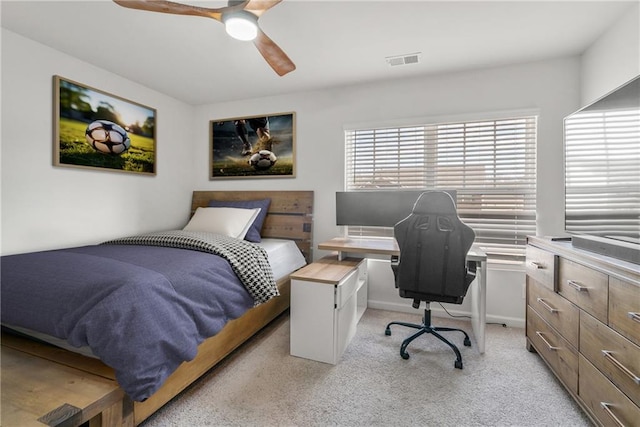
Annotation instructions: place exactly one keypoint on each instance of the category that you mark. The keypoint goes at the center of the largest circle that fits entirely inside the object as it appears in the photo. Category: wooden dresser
(583, 318)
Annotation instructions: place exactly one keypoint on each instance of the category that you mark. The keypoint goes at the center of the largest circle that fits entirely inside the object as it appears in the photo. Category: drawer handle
(609, 412)
(536, 265)
(538, 333)
(547, 306)
(576, 285)
(609, 356)
(634, 316)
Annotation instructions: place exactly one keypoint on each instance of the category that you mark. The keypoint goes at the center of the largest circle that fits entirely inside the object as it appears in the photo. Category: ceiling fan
(240, 19)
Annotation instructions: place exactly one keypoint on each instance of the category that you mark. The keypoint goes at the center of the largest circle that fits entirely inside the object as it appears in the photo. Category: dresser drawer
(559, 354)
(541, 265)
(624, 308)
(608, 404)
(586, 288)
(614, 355)
(557, 311)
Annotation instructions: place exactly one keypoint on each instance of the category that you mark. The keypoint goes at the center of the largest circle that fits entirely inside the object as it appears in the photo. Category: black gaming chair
(432, 265)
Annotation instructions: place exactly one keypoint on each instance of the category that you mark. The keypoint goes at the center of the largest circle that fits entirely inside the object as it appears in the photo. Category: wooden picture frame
(253, 147)
(94, 129)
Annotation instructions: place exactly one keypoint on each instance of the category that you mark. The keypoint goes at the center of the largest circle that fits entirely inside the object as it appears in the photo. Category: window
(491, 164)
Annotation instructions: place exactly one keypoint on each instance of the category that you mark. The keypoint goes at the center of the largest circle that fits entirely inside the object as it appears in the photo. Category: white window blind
(490, 163)
(603, 172)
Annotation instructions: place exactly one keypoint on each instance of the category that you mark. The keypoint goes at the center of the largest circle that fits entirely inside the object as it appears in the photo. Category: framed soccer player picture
(253, 146)
(97, 130)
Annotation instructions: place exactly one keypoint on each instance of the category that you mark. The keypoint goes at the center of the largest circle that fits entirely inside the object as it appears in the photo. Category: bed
(289, 217)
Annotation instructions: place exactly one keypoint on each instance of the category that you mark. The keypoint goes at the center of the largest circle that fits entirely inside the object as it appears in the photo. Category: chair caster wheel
(467, 342)
(458, 364)
(405, 356)
(387, 331)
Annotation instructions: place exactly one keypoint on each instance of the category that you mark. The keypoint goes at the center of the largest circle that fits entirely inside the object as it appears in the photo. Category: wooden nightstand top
(327, 270)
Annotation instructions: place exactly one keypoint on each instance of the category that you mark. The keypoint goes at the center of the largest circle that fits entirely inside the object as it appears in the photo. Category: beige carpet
(262, 385)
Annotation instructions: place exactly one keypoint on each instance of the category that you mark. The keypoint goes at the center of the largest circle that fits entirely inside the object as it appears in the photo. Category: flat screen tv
(602, 174)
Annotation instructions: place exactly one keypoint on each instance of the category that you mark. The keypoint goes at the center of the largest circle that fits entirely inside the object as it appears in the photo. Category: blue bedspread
(142, 310)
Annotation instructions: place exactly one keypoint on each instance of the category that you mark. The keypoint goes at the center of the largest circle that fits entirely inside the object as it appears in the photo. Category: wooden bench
(39, 392)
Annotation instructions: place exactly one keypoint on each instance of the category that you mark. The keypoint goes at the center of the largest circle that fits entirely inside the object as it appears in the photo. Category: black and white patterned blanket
(248, 261)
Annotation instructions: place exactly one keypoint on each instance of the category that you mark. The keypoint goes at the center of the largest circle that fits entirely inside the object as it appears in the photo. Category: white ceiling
(332, 43)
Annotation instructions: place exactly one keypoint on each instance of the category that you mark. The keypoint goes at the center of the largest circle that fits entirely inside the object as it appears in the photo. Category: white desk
(477, 290)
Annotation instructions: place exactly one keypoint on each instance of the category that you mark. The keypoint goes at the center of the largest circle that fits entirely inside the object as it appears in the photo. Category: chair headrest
(436, 203)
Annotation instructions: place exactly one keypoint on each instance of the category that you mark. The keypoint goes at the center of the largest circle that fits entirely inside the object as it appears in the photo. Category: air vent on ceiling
(410, 58)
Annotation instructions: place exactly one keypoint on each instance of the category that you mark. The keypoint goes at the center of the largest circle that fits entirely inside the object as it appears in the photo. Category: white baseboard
(437, 311)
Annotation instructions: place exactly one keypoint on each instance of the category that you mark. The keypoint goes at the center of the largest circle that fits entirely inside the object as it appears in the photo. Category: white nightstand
(328, 298)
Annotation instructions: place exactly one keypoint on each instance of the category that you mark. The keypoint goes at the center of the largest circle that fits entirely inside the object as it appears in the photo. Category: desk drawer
(624, 308)
(559, 354)
(347, 288)
(615, 356)
(587, 288)
(541, 265)
(597, 392)
(559, 312)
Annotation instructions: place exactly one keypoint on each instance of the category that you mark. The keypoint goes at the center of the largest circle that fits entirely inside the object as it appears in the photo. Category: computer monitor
(376, 208)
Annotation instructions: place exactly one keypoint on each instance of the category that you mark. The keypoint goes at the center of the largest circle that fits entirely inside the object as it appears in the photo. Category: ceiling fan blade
(258, 7)
(178, 8)
(275, 57)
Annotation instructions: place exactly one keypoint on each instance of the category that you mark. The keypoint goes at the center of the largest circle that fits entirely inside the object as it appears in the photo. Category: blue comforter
(142, 310)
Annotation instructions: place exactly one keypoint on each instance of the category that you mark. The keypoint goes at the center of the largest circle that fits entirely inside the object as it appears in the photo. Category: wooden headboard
(290, 213)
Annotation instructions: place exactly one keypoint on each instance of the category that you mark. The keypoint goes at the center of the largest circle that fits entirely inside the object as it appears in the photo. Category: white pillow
(232, 222)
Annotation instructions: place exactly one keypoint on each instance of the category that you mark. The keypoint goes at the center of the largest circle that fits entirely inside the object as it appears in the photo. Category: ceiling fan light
(241, 25)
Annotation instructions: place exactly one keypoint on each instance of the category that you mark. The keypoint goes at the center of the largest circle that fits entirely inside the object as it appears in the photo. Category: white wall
(549, 87)
(52, 207)
(613, 59)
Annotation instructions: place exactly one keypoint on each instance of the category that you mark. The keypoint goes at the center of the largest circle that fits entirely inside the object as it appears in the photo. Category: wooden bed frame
(290, 217)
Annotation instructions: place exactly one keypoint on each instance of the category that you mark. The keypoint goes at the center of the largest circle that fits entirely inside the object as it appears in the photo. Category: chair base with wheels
(427, 328)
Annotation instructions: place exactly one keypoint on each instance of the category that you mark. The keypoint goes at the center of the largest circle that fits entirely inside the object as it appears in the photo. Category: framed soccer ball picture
(95, 129)
(253, 147)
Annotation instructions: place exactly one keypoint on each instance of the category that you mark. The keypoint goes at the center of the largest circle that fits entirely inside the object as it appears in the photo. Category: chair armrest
(472, 267)
(395, 262)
